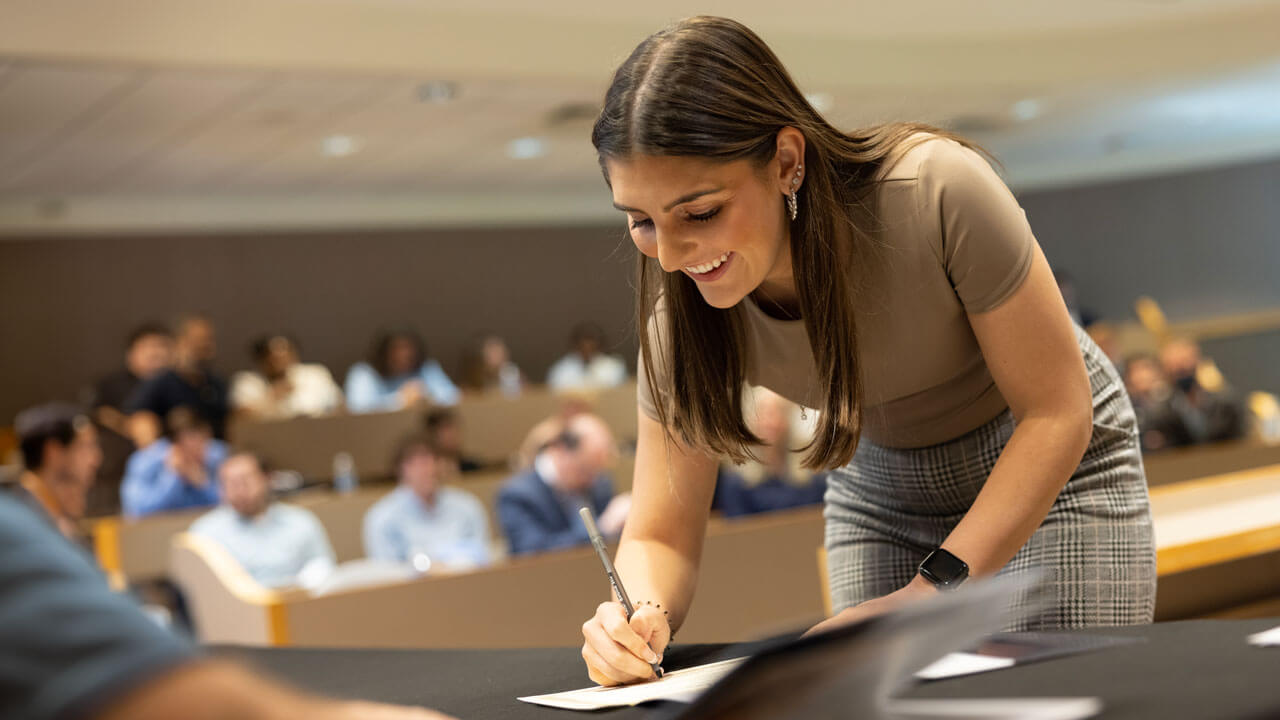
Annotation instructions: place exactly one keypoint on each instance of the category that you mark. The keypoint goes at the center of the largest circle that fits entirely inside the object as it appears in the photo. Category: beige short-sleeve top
(952, 240)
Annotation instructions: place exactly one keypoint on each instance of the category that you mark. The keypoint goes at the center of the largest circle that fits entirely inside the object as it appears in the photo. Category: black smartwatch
(944, 570)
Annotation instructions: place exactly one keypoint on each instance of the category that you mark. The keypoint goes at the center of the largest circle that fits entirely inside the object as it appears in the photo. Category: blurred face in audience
(196, 343)
(495, 353)
(402, 357)
(422, 471)
(588, 347)
(449, 436)
(149, 355)
(73, 468)
(192, 444)
(281, 355)
(1144, 377)
(245, 486)
(596, 453)
(1180, 358)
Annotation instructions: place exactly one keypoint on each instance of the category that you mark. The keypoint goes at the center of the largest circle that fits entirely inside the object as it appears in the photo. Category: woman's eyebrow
(678, 201)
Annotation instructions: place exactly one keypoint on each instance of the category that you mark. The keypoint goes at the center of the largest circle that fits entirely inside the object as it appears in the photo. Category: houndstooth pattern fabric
(1096, 551)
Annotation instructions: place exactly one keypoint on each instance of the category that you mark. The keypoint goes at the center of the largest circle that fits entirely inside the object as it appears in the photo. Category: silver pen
(597, 542)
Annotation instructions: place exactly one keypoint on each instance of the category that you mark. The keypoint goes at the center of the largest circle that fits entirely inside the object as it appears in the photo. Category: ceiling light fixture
(1028, 109)
(339, 145)
(526, 148)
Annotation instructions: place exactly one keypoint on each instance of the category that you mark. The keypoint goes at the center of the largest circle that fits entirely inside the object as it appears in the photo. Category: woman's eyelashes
(704, 217)
(647, 223)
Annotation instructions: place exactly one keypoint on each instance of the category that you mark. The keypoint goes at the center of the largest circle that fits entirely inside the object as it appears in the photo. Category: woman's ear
(788, 165)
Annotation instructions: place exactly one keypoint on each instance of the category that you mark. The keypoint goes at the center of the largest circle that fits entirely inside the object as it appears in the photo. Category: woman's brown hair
(710, 88)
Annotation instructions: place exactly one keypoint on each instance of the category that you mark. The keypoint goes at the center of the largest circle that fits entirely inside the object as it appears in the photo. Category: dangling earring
(793, 202)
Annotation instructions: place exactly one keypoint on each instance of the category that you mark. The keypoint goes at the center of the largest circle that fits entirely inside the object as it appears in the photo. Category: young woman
(888, 279)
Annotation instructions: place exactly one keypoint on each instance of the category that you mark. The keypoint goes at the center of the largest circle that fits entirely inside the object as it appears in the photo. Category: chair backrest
(308, 444)
(226, 604)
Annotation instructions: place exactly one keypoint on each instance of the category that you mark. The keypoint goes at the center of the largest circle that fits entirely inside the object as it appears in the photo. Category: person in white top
(282, 387)
(587, 367)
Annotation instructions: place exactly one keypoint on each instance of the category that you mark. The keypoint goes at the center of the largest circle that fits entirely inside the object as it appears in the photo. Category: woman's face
(691, 213)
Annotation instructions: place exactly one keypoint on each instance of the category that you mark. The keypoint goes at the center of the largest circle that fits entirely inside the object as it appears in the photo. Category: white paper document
(678, 686)
(1267, 638)
(995, 709)
(683, 685)
(962, 663)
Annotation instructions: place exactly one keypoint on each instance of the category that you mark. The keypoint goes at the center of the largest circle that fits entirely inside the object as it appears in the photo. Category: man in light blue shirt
(398, 374)
(272, 541)
(176, 472)
(425, 524)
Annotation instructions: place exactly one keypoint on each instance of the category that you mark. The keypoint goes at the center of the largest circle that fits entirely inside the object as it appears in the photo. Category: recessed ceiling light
(526, 148)
(437, 91)
(1028, 109)
(339, 145)
(821, 102)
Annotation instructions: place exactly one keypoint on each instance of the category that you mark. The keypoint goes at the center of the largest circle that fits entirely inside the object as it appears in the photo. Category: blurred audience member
(777, 480)
(398, 374)
(283, 387)
(72, 648)
(445, 426)
(538, 508)
(148, 352)
(61, 455)
(488, 367)
(175, 472)
(189, 383)
(274, 542)
(1160, 424)
(1209, 409)
(587, 367)
(423, 523)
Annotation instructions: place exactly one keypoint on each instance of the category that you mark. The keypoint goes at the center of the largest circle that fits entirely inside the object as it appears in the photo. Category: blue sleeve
(68, 645)
(526, 533)
(476, 540)
(381, 540)
(149, 486)
(364, 390)
(439, 386)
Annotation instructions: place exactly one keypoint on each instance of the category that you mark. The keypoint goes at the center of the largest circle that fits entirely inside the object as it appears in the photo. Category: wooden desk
(1218, 545)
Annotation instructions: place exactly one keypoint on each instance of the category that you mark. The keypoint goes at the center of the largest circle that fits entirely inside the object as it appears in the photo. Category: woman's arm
(1031, 350)
(661, 544)
(657, 558)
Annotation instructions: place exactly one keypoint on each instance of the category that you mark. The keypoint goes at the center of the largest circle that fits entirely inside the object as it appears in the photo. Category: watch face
(944, 568)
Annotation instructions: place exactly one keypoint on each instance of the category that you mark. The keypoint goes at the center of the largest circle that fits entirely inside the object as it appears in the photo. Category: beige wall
(67, 304)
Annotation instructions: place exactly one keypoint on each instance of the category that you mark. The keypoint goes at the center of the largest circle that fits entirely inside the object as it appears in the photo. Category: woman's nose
(673, 252)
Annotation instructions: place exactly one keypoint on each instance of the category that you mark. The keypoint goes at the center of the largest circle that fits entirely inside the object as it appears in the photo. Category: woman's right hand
(618, 652)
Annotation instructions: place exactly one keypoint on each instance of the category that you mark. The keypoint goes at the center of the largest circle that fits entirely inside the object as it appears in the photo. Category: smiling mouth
(708, 267)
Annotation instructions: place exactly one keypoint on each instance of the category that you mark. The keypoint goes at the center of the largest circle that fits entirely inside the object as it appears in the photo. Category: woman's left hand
(916, 590)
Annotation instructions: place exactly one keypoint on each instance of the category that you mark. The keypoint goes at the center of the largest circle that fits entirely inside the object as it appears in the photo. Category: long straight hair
(710, 88)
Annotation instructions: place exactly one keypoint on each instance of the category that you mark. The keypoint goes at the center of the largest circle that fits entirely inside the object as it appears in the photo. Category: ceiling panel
(40, 104)
(102, 153)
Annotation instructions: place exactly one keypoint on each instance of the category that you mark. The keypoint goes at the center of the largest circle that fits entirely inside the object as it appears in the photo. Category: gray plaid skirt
(1095, 551)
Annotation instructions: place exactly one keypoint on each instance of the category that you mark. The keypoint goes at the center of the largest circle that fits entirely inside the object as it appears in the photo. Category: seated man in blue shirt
(71, 648)
(421, 522)
(176, 472)
(538, 508)
(272, 541)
